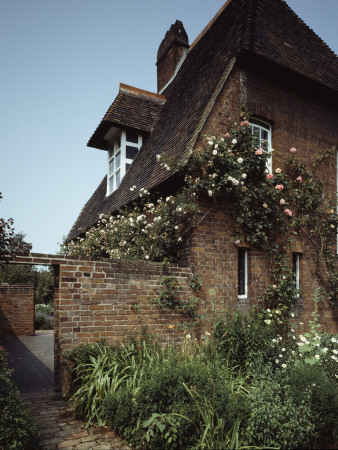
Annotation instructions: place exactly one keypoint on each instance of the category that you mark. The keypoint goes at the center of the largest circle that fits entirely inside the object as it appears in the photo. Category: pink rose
(259, 151)
(245, 123)
(293, 150)
(227, 135)
(282, 201)
(288, 212)
(237, 242)
(300, 179)
(279, 187)
(270, 176)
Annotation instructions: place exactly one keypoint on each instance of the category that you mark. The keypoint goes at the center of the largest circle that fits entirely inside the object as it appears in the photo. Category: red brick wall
(109, 299)
(17, 309)
(298, 120)
(112, 300)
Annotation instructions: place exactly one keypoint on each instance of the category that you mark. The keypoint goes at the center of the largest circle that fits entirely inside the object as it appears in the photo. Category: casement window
(296, 268)
(242, 273)
(123, 150)
(261, 132)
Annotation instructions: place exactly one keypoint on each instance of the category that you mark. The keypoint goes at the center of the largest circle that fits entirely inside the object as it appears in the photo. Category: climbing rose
(234, 141)
(259, 151)
(279, 187)
(300, 179)
(214, 152)
(270, 176)
(227, 135)
(293, 150)
(278, 170)
(282, 201)
(265, 205)
(237, 242)
(288, 212)
(245, 123)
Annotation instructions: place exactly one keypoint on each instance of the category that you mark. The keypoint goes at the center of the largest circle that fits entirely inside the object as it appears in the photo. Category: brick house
(256, 53)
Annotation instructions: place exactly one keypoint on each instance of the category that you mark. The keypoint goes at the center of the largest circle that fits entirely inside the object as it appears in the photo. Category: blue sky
(62, 62)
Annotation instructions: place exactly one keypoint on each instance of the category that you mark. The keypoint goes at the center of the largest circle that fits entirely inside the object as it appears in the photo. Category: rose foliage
(269, 211)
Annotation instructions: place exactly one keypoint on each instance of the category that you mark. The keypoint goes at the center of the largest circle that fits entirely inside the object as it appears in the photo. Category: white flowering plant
(269, 209)
(152, 228)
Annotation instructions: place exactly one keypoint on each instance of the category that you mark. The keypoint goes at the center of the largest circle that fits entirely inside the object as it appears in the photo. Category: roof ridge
(308, 27)
(206, 28)
(125, 88)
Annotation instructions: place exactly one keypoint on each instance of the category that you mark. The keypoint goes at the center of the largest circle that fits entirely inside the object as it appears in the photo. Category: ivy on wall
(269, 209)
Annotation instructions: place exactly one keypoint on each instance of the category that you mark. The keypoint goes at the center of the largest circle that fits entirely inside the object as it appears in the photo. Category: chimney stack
(170, 53)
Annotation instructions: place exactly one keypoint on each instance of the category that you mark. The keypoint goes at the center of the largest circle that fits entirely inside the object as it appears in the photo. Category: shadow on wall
(32, 358)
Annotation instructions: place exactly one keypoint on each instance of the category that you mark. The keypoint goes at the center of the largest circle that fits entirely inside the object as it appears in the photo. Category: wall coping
(56, 260)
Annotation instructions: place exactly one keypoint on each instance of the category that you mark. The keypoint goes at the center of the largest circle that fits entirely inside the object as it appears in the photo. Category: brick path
(59, 429)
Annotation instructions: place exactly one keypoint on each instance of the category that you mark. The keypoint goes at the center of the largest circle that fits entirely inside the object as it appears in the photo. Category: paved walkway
(59, 429)
(32, 358)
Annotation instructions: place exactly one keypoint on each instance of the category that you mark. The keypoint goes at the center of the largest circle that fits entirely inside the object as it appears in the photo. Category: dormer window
(261, 132)
(122, 151)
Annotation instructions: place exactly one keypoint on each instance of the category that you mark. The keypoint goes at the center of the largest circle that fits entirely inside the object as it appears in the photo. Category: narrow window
(261, 133)
(122, 152)
(296, 269)
(242, 273)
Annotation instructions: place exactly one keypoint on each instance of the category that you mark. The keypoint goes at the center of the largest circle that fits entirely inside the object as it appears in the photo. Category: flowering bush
(150, 229)
(269, 208)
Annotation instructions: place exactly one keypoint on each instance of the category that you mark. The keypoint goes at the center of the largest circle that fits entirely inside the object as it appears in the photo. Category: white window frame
(245, 281)
(263, 127)
(118, 146)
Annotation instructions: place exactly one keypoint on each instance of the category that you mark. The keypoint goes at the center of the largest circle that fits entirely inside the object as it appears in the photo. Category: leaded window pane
(131, 152)
(132, 136)
(111, 166)
(111, 184)
(118, 160)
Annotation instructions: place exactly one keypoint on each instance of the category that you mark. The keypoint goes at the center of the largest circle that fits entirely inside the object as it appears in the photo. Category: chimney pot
(170, 53)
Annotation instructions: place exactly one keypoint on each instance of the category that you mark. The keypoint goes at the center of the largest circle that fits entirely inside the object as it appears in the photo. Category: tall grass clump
(250, 382)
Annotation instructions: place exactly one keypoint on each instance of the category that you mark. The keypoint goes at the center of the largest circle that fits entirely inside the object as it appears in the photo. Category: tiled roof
(267, 28)
(133, 108)
(281, 36)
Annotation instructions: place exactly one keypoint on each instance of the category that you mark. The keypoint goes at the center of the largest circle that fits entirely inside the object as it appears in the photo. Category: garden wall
(17, 309)
(107, 299)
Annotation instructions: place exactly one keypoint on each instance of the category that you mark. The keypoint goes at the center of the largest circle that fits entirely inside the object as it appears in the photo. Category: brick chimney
(170, 53)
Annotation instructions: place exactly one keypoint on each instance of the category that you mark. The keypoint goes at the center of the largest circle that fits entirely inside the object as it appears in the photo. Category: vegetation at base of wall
(270, 211)
(18, 431)
(242, 385)
(44, 317)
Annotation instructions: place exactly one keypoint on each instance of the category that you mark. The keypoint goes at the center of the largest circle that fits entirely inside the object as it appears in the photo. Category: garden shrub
(18, 431)
(44, 317)
(246, 341)
(276, 420)
(118, 412)
(165, 397)
(312, 382)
